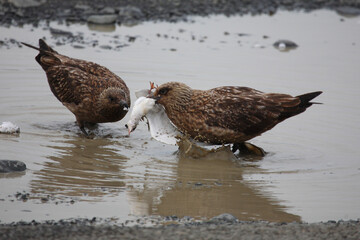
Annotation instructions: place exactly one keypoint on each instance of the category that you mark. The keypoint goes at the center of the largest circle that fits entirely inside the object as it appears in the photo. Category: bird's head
(172, 94)
(141, 108)
(115, 98)
(131, 126)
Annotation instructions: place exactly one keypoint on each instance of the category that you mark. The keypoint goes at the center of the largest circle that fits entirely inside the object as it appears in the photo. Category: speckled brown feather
(226, 114)
(83, 87)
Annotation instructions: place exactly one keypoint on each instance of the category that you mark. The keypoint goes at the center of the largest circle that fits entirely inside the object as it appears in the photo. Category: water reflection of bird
(206, 187)
(79, 168)
(228, 114)
(91, 92)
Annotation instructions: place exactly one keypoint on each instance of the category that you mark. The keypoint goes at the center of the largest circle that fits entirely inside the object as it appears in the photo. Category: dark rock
(78, 46)
(106, 47)
(8, 127)
(59, 32)
(285, 45)
(22, 196)
(225, 217)
(102, 19)
(131, 38)
(348, 11)
(11, 166)
(118, 47)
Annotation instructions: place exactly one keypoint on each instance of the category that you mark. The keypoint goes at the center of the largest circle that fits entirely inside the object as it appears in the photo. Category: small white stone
(282, 46)
(9, 128)
(258, 45)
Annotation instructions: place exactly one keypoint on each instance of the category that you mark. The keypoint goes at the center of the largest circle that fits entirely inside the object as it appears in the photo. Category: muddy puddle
(312, 169)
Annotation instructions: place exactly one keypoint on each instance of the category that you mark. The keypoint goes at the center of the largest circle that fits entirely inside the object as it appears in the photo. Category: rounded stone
(102, 19)
(11, 166)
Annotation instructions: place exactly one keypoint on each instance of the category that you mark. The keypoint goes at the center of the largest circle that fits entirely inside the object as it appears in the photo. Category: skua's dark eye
(163, 91)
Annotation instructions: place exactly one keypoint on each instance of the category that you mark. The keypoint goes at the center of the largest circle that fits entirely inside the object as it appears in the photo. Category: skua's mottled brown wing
(72, 80)
(94, 75)
(71, 85)
(247, 110)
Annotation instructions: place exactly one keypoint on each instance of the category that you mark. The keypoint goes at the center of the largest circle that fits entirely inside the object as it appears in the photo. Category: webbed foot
(248, 148)
(84, 131)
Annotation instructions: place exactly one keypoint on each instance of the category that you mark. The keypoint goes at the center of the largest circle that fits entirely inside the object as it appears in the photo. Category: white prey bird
(161, 128)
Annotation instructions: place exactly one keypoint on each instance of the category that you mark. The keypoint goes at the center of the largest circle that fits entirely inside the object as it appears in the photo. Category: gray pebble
(284, 45)
(59, 32)
(348, 11)
(11, 166)
(106, 47)
(26, 3)
(102, 19)
(78, 46)
(225, 217)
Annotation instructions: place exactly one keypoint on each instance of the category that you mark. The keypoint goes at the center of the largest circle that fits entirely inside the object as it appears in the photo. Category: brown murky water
(312, 171)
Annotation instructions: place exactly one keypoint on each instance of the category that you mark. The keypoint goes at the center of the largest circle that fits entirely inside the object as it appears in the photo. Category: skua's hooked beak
(124, 105)
(157, 98)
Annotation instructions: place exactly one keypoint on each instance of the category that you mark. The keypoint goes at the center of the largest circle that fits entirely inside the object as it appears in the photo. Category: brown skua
(91, 92)
(228, 114)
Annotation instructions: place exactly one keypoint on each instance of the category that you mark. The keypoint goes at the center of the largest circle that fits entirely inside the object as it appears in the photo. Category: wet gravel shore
(18, 12)
(215, 229)
(39, 13)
